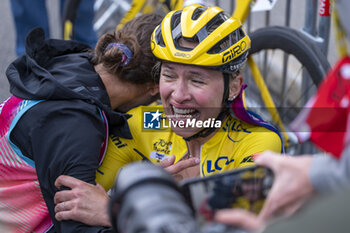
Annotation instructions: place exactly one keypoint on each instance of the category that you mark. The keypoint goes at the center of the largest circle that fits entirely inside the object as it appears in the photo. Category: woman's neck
(194, 145)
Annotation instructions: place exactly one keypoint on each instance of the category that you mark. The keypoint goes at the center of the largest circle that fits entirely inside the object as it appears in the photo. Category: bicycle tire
(312, 61)
(293, 42)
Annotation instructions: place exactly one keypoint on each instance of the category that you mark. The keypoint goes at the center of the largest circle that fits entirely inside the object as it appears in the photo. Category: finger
(64, 206)
(60, 207)
(100, 187)
(268, 159)
(62, 196)
(291, 209)
(67, 181)
(167, 162)
(183, 165)
(281, 207)
(275, 204)
(268, 210)
(64, 215)
(178, 177)
(240, 218)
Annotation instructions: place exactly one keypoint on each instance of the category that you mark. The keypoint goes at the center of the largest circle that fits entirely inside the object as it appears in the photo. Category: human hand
(290, 190)
(239, 218)
(179, 169)
(291, 187)
(84, 203)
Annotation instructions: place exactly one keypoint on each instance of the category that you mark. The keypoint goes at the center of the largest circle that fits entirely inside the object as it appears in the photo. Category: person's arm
(65, 138)
(329, 174)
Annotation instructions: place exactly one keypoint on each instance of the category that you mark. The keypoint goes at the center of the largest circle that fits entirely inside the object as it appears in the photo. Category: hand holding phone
(244, 188)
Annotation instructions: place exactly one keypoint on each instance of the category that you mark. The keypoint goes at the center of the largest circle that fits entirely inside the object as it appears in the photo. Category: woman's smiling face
(189, 91)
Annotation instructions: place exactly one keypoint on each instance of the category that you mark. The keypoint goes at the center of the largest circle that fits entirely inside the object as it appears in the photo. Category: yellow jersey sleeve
(114, 160)
(119, 153)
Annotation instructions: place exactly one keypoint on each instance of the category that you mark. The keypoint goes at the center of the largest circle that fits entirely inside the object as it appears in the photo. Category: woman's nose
(181, 91)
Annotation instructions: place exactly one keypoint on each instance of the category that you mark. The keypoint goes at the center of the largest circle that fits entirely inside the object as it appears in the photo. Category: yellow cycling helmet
(259, 173)
(222, 43)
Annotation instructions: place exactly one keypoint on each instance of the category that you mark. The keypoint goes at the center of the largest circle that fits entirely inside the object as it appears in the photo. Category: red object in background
(324, 9)
(325, 119)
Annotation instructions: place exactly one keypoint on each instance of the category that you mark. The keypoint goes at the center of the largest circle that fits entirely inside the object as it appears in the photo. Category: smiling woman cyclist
(200, 52)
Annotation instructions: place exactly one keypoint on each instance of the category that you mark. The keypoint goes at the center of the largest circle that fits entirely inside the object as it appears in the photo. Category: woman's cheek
(203, 98)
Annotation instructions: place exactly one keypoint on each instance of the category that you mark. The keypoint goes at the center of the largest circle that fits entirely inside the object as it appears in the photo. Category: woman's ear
(235, 86)
(154, 89)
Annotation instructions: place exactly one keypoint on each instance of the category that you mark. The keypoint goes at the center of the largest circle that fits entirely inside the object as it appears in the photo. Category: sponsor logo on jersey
(162, 146)
(116, 140)
(158, 156)
(218, 164)
(248, 159)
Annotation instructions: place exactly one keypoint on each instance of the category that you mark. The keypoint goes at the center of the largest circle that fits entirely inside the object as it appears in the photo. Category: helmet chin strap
(207, 131)
(226, 87)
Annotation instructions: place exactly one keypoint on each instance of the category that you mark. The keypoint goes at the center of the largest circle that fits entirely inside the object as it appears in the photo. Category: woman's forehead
(178, 67)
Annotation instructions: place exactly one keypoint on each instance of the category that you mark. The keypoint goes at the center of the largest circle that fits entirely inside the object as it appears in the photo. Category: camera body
(147, 199)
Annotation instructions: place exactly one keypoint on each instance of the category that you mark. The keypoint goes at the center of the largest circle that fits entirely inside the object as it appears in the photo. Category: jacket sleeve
(64, 137)
(328, 174)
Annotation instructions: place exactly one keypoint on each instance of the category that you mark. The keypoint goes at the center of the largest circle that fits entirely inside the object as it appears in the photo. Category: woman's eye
(198, 81)
(169, 76)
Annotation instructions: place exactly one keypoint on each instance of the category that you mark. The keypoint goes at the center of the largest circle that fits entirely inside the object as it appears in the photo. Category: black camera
(148, 200)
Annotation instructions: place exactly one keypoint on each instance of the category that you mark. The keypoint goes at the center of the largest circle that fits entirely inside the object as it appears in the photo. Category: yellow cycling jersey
(232, 146)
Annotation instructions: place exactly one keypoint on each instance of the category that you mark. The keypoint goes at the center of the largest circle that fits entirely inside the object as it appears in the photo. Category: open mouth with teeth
(184, 113)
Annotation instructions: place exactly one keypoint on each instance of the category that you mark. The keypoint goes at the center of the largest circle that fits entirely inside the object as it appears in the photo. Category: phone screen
(244, 188)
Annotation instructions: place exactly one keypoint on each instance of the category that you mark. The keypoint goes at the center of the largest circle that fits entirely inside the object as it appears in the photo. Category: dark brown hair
(136, 35)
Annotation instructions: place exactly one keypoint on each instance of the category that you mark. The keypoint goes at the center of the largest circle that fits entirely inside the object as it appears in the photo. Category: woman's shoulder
(252, 134)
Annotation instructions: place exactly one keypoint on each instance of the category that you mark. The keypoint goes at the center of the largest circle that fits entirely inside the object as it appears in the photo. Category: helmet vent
(227, 42)
(175, 20)
(197, 13)
(159, 37)
(215, 22)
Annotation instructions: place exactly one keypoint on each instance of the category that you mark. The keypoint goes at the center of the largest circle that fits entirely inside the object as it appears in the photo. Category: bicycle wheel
(292, 67)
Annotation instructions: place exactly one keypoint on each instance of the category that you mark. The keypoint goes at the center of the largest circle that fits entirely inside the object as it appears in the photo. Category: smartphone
(245, 188)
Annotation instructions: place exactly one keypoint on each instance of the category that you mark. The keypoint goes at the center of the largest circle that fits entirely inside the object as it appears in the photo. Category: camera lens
(147, 199)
